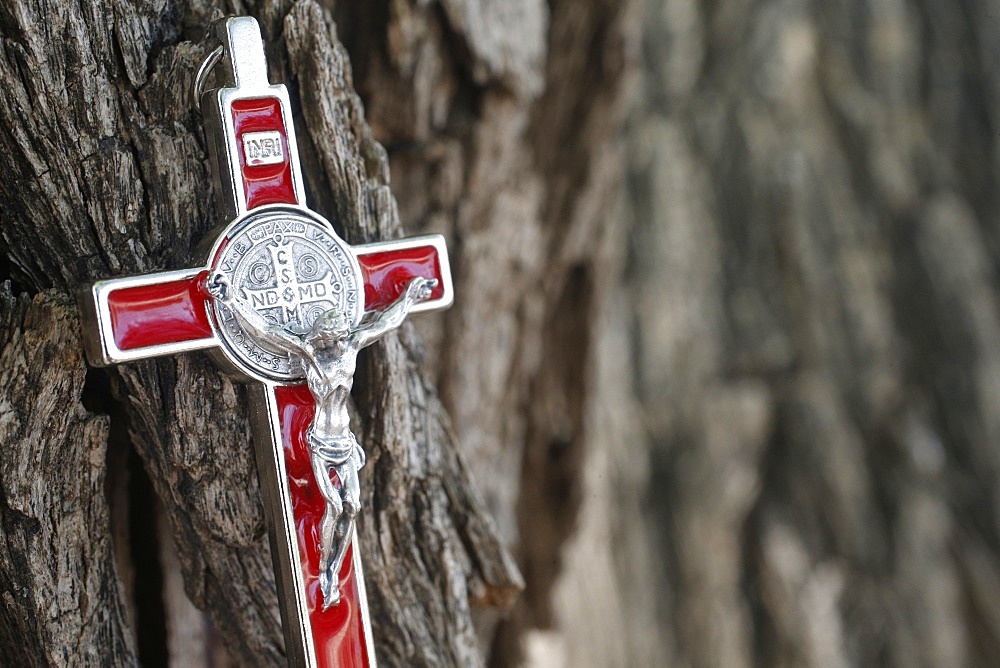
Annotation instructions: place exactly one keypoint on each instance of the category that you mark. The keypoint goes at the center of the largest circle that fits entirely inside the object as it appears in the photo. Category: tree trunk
(500, 121)
(818, 327)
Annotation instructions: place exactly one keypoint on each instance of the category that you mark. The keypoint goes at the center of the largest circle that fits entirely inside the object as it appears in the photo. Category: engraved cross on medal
(285, 304)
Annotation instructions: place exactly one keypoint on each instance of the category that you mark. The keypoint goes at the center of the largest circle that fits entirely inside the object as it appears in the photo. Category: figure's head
(330, 326)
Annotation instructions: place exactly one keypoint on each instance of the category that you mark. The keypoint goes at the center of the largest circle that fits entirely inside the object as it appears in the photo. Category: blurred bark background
(722, 377)
(818, 328)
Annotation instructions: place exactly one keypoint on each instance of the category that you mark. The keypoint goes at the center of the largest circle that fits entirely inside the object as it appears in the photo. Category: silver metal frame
(366, 619)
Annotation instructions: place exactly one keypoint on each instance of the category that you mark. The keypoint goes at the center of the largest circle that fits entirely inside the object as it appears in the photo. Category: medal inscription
(290, 270)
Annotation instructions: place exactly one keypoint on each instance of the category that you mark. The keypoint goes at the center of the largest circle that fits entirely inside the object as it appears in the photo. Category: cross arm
(140, 317)
(389, 266)
(165, 313)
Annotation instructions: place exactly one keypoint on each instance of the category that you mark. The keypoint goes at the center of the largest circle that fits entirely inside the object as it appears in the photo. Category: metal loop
(204, 71)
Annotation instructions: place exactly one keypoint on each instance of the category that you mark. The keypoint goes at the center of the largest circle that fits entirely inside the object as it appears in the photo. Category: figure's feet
(328, 587)
(331, 598)
(324, 586)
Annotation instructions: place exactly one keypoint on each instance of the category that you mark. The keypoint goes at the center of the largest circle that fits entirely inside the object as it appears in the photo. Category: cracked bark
(466, 418)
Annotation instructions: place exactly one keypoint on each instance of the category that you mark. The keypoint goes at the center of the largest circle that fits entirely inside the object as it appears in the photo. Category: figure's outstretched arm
(218, 285)
(392, 317)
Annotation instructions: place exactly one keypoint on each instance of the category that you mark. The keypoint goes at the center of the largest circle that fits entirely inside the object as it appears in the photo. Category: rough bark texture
(819, 329)
(500, 120)
(62, 596)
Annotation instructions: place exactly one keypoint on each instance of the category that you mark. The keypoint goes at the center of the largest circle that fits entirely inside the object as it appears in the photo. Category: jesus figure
(328, 351)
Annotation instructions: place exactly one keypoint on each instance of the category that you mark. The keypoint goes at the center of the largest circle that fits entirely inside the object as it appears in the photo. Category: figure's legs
(327, 530)
(350, 491)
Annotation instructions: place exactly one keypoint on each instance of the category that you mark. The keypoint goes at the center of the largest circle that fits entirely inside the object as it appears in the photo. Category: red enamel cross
(294, 266)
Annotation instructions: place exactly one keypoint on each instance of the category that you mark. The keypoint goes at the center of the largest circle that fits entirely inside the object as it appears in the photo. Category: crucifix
(281, 301)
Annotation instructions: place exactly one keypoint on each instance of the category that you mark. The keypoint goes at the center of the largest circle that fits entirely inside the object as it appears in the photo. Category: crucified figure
(329, 352)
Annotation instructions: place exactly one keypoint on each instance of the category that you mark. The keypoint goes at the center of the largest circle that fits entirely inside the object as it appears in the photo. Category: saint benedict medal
(285, 304)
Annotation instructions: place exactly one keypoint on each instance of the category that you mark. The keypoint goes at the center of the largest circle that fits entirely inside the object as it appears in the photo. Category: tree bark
(814, 188)
(500, 122)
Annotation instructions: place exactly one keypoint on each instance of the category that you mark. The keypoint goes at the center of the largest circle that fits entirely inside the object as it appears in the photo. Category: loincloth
(336, 450)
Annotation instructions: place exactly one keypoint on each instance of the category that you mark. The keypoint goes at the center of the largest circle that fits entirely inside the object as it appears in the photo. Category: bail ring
(203, 72)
